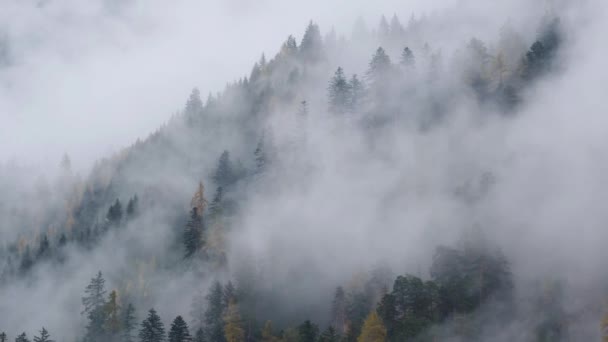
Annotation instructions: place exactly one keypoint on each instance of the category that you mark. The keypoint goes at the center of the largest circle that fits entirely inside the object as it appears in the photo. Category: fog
(90, 79)
(107, 72)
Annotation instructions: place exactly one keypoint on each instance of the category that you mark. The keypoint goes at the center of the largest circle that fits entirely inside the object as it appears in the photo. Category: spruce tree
(311, 47)
(128, 323)
(224, 174)
(194, 105)
(94, 304)
(329, 335)
(44, 248)
(193, 234)
(197, 311)
(407, 58)
(357, 93)
(152, 328)
(214, 313)
(3, 337)
(339, 92)
(308, 331)
(132, 207)
(44, 336)
(22, 338)
(179, 331)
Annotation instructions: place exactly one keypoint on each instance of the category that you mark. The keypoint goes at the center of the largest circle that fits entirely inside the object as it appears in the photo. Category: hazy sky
(89, 78)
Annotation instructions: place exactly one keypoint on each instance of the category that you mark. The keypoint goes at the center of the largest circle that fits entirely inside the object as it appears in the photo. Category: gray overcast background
(90, 77)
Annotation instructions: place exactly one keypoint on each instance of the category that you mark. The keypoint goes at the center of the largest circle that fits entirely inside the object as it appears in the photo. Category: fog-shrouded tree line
(408, 82)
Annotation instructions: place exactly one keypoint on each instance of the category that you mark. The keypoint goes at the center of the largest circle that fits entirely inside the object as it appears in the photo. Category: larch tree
(113, 324)
(233, 330)
(373, 329)
(152, 328)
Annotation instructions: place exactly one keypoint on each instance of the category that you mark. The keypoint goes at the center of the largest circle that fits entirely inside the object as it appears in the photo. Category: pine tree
(194, 105)
(3, 337)
(383, 28)
(132, 207)
(193, 234)
(115, 213)
(94, 304)
(396, 29)
(339, 93)
(22, 338)
(373, 329)
(214, 313)
(179, 331)
(357, 93)
(113, 324)
(197, 311)
(94, 294)
(224, 174)
(308, 331)
(260, 157)
(379, 67)
(128, 323)
(215, 208)
(290, 47)
(407, 58)
(152, 328)
(233, 332)
(44, 336)
(311, 47)
(329, 335)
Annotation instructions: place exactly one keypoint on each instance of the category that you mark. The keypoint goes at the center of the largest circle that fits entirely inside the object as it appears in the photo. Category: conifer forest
(390, 171)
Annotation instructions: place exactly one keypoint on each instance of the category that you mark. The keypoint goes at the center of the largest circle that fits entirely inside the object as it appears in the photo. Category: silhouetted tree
(44, 336)
(179, 331)
(152, 328)
(339, 93)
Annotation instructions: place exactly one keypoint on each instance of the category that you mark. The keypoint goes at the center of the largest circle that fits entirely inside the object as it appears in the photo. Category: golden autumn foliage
(198, 200)
(233, 330)
(373, 329)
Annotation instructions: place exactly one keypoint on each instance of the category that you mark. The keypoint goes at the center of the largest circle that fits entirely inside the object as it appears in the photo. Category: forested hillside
(349, 188)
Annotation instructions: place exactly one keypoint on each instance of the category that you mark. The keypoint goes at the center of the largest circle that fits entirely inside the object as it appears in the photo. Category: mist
(318, 197)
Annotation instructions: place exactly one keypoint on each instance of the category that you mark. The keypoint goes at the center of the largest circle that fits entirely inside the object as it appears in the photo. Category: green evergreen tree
(44, 336)
(339, 93)
(22, 338)
(308, 332)
(407, 58)
(224, 174)
(329, 335)
(179, 331)
(128, 323)
(152, 328)
(94, 304)
(215, 310)
(193, 234)
(311, 47)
